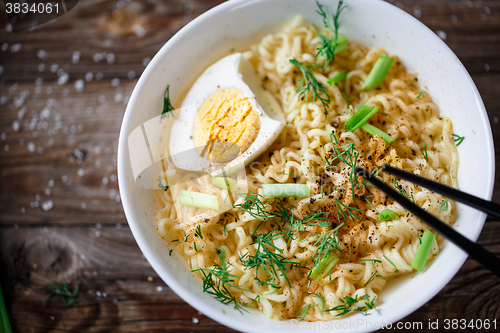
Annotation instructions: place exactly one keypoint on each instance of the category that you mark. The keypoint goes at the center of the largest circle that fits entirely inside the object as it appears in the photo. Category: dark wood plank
(65, 243)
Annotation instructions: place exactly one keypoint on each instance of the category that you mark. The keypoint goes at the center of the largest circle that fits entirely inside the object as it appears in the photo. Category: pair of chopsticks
(481, 255)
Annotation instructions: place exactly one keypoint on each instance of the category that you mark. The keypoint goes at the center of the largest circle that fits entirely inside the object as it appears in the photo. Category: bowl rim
(171, 280)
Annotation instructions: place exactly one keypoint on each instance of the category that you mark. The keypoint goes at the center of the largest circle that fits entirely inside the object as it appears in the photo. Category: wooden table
(60, 213)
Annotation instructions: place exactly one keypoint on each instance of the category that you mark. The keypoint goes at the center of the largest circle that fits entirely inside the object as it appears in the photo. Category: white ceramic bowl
(237, 24)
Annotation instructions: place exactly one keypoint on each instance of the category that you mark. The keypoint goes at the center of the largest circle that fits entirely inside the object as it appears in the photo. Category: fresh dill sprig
(325, 244)
(444, 205)
(217, 280)
(198, 232)
(63, 291)
(371, 278)
(311, 219)
(254, 206)
(302, 313)
(389, 260)
(374, 260)
(346, 211)
(346, 306)
(167, 104)
(420, 95)
(424, 152)
(323, 303)
(458, 139)
(268, 257)
(399, 187)
(328, 44)
(309, 82)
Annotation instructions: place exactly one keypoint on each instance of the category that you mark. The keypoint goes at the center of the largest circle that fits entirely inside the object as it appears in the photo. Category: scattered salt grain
(52, 183)
(21, 142)
(97, 57)
(146, 61)
(98, 234)
(112, 194)
(99, 76)
(98, 164)
(81, 172)
(487, 10)
(105, 180)
(495, 120)
(104, 294)
(3, 136)
(1, 70)
(83, 256)
(83, 205)
(118, 226)
(98, 225)
(118, 98)
(131, 74)
(35, 134)
(47, 205)
(110, 58)
(6, 147)
(94, 273)
(79, 85)
(159, 289)
(54, 68)
(195, 320)
(487, 67)
(15, 48)
(107, 43)
(139, 30)
(51, 141)
(112, 178)
(470, 3)
(23, 210)
(115, 82)
(454, 18)
(49, 89)
(31, 147)
(417, 12)
(64, 178)
(89, 76)
(5, 46)
(52, 318)
(16, 125)
(47, 192)
(63, 79)
(41, 54)
(441, 34)
(98, 293)
(38, 197)
(118, 198)
(102, 99)
(150, 278)
(76, 57)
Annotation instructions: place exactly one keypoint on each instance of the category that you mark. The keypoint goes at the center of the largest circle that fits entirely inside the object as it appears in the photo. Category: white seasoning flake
(47, 205)
(16, 48)
(146, 61)
(1, 70)
(195, 320)
(417, 12)
(3, 136)
(441, 34)
(118, 226)
(115, 82)
(64, 178)
(31, 147)
(6, 147)
(62, 79)
(47, 192)
(454, 18)
(110, 58)
(97, 57)
(81, 172)
(113, 178)
(23, 210)
(98, 293)
(79, 85)
(83, 205)
(159, 289)
(99, 76)
(16, 125)
(98, 234)
(51, 183)
(5, 46)
(487, 67)
(495, 119)
(54, 68)
(102, 99)
(98, 225)
(131, 75)
(76, 57)
(41, 54)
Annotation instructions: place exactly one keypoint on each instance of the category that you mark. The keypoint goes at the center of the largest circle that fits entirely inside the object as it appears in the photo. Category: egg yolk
(225, 116)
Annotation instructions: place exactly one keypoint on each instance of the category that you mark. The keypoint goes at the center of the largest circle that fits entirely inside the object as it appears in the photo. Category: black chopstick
(488, 259)
(488, 207)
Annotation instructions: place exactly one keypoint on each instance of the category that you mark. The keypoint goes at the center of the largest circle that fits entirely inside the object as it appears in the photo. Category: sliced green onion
(375, 131)
(224, 182)
(323, 267)
(423, 250)
(378, 72)
(387, 215)
(4, 318)
(197, 199)
(337, 77)
(285, 190)
(360, 117)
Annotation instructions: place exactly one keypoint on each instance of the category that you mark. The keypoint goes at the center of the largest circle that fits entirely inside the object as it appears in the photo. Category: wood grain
(84, 236)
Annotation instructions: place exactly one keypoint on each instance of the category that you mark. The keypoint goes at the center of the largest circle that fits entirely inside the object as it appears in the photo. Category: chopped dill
(198, 232)
(161, 186)
(420, 95)
(396, 269)
(309, 82)
(63, 291)
(302, 313)
(325, 244)
(444, 205)
(346, 306)
(458, 139)
(328, 45)
(374, 260)
(167, 104)
(371, 278)
(424, 152)
(323, 303)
